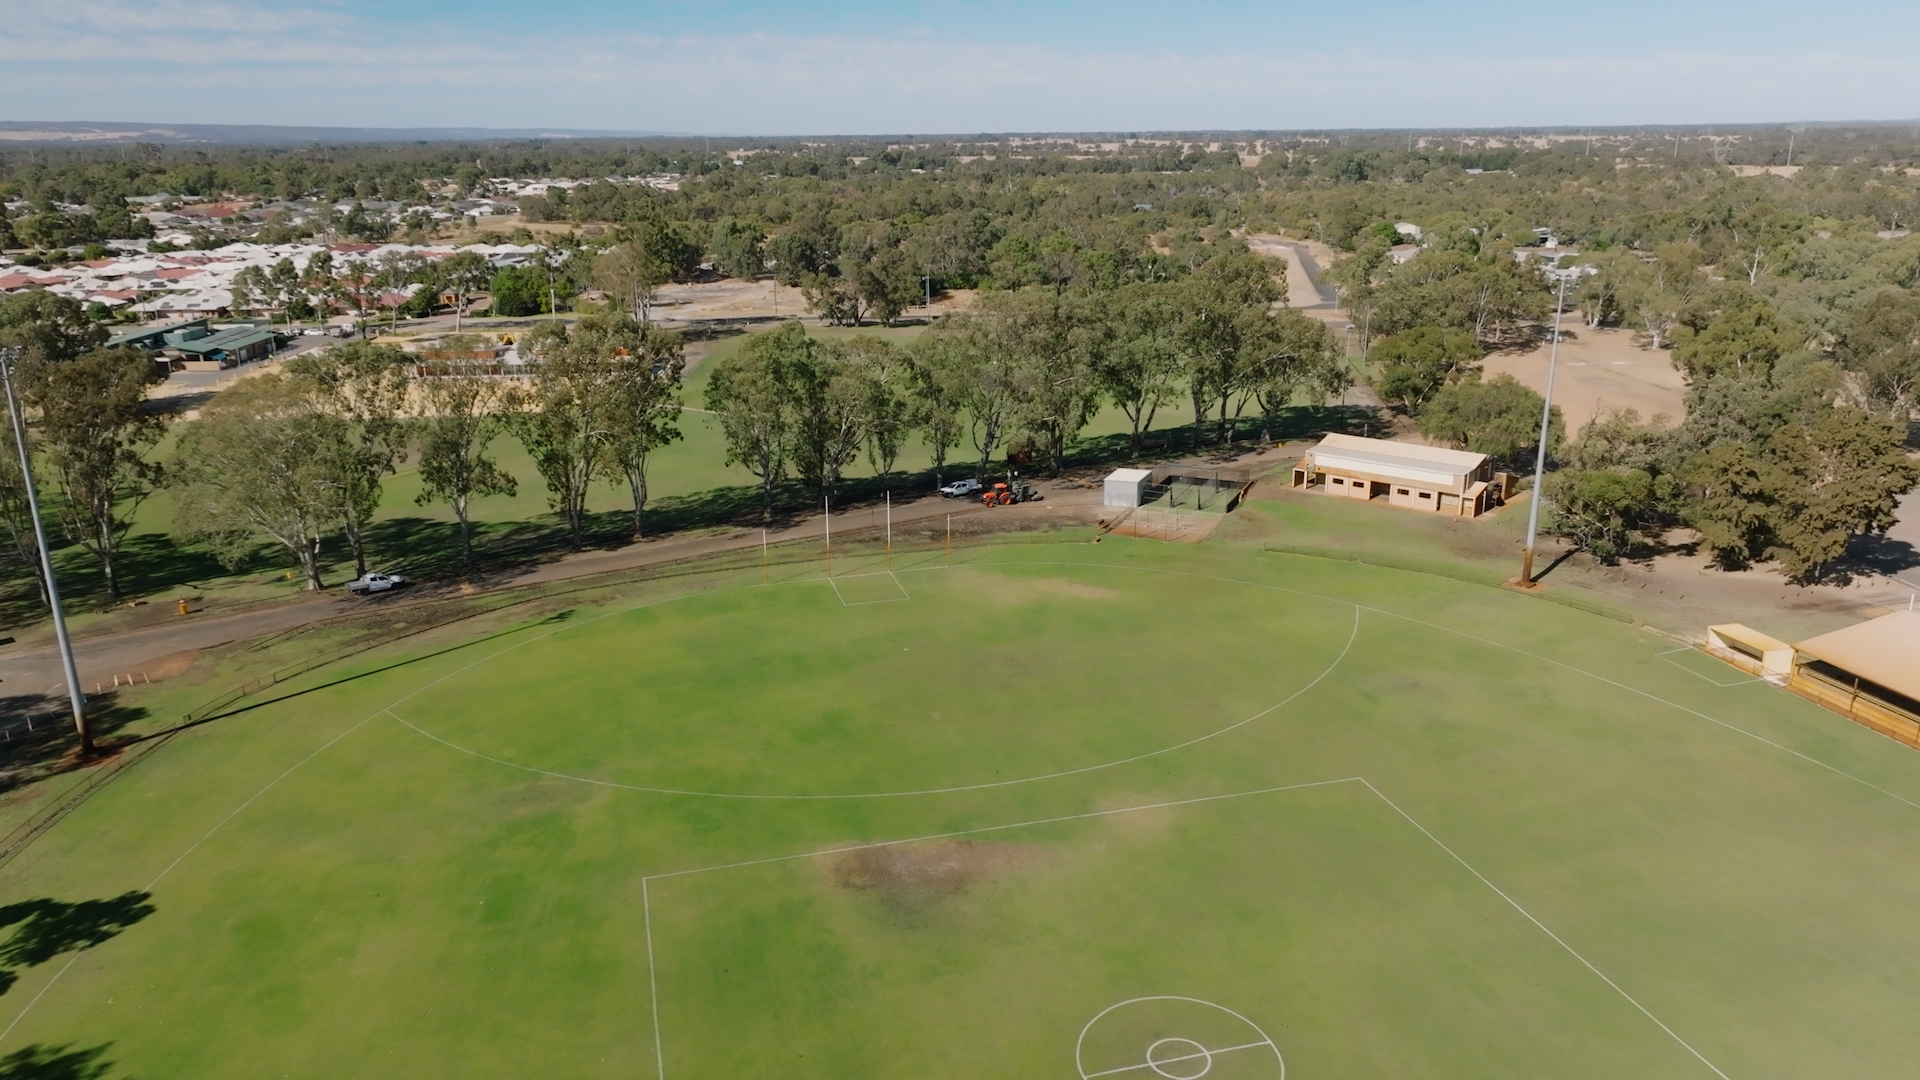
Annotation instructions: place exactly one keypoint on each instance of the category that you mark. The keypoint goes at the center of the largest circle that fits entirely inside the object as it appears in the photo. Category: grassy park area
(1043, 808)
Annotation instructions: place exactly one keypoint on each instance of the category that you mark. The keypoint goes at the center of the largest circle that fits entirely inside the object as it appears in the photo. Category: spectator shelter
(1459, 483)
(1750, 650)
(1866, 672)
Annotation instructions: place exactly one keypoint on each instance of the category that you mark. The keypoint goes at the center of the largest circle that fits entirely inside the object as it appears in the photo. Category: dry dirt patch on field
(912, 881)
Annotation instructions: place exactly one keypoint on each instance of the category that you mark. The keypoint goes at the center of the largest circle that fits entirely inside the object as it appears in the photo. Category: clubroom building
(1458, 483)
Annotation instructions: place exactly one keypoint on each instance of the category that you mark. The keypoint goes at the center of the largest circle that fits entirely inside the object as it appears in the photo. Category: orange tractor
(1018, 491)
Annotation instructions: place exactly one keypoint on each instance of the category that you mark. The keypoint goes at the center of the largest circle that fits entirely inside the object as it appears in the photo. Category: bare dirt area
(716, 301)
(917, 873)
(1683, 592)
(1600, 371)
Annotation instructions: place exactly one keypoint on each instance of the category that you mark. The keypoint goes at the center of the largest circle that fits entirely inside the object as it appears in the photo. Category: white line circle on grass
(1352, 636)
(1173, 1050)
(1197, 1057)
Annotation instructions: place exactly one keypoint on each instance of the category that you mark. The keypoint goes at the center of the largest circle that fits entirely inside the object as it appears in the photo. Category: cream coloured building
(1459, 483)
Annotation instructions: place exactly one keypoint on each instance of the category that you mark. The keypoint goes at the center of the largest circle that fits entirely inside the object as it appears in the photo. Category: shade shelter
(1750, 650)
(1868, 672)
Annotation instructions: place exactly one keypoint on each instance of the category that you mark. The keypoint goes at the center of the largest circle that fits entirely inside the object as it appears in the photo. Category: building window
(1426, 494)
(1337, 480)
(1401, 491)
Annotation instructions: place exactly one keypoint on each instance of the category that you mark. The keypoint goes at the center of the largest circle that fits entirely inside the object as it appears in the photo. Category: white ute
(960, 488)
(374, 583)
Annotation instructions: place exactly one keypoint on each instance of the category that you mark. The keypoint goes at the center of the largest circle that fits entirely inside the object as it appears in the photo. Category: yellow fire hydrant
(183, 607)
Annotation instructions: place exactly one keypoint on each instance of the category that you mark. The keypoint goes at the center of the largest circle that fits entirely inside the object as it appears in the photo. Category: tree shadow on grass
(38, 1062)
(47, 928)
(48, 748)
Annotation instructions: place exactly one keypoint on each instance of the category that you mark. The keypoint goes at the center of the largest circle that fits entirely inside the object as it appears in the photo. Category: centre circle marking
(1175, 1057)
(1183, 1052)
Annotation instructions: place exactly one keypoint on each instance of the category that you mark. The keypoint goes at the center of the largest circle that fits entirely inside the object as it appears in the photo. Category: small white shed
(1125, 486)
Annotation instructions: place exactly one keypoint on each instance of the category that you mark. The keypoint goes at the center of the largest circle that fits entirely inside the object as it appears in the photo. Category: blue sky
(913, 67)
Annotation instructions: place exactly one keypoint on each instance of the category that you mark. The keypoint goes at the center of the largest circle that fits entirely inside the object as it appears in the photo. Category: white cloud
(179, 61)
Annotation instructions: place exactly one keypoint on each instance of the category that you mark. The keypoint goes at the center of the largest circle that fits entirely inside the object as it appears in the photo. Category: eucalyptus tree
(643, 388)
(365, 386)
(567, 414)
(96, 431)
(754, 395)
(1138, 364)
(936, 403)
(256, 464)
(459, 414)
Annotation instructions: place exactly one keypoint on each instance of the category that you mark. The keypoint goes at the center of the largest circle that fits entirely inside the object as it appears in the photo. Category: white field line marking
(1080, 1044)
(1708, 678)
(22, 1015)
(191, 848)
(1557, 940)
(653, 982)
(1836, 770)
(646, 907)
(1205, 1053)
(1352, 636)
(904, 595)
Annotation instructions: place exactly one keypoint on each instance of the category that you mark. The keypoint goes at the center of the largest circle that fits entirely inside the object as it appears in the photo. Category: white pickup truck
(374, 583)
(960, 488)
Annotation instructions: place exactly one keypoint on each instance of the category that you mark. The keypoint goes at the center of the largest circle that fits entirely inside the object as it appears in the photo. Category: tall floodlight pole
(1540, 453)
(79, 700)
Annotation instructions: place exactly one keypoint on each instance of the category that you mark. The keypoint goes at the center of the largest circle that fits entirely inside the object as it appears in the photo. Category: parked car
(961, 488)
(374, 583)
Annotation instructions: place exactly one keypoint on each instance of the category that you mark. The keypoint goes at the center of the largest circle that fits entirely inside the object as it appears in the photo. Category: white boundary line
(204, 837)
(387, 710)
(653, 984)
(1357, 608)
(1352, 636)
(191, 848)
(1557, 939)
(1561, 664)
(1708, 678)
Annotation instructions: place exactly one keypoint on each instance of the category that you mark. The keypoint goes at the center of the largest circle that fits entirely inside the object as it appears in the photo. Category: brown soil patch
(166, 667)
(922, 872)
(104, 751)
